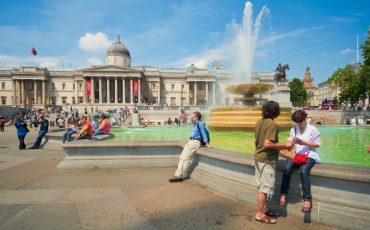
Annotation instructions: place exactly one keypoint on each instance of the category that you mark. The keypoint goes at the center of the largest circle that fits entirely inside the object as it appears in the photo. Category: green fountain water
(342, 145)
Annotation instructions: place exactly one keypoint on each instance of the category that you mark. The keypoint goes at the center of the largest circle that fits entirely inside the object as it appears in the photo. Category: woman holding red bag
(307, 139)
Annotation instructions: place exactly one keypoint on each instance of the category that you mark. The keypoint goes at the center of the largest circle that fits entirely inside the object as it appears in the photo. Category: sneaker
(176, 179)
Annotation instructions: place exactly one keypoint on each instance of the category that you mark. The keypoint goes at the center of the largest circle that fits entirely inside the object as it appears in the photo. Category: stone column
(139, 89)
(131, 91)
(76, 92)
(207, 92)
(84, 88)
(108, 90)
(188, 95)
(43, 93)
(159, 93)
(195, 93)
(115, 90)
(100, 91)
(14, 82)
(22, 97)
(35, 92)
(214, 93)
(124, 90)
(92, 90)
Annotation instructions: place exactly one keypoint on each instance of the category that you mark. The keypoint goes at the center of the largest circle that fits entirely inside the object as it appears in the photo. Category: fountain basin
(244, 118)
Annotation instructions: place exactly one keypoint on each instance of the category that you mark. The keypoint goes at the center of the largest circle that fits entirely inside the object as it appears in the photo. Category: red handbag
(300, 159)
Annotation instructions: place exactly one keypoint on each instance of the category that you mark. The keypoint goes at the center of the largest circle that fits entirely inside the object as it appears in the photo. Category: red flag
(136, 87)
(88, 87)
(34, 52)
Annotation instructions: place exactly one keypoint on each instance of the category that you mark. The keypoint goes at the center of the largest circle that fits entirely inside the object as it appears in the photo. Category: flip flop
(271, 213)
(266, 220)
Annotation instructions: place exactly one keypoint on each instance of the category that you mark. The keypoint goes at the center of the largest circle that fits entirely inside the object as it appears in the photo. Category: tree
(366, 52)
(365, 67)
(348, 81)
(354, 84)
(298, 94)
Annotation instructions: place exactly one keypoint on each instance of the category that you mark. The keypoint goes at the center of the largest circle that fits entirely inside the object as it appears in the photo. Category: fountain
(245, 117)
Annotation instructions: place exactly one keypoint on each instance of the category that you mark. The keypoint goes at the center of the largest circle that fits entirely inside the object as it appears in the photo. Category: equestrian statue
(280, 75)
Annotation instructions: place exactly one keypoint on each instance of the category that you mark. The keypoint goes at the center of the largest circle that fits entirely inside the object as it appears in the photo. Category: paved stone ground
(34, 195)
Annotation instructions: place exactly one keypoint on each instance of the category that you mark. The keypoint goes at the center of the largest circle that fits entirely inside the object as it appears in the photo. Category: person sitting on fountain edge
(86, 131)
(188, 153)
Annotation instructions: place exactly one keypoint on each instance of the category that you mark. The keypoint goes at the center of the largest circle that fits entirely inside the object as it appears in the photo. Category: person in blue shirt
(44, 127)
(188, 153)
(21, 131)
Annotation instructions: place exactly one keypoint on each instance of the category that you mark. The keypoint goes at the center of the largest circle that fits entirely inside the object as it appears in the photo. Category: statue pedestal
(281, 94)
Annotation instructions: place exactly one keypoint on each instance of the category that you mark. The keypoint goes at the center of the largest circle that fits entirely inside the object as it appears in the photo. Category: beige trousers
(186, 158)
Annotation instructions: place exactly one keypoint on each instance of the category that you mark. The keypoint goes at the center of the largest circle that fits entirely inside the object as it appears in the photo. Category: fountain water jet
(245, 117)
(246, 35)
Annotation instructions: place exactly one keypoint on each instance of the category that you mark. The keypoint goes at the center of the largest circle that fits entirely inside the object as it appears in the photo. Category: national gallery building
(117, 84)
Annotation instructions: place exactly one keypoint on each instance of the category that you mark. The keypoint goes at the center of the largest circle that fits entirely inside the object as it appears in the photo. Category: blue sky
(173, 33)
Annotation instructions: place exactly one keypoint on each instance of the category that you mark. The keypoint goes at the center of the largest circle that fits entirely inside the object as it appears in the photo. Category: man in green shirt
(265, 158)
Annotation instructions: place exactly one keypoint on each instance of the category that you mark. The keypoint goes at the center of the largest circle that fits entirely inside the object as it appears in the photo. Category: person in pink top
(104, 127)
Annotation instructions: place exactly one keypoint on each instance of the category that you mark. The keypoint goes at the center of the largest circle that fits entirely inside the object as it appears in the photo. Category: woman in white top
(307, 140)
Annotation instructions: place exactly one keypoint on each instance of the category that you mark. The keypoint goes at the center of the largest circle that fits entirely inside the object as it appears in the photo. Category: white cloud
(346, 51)
(94, 41)
(94, 61)
(345, 20)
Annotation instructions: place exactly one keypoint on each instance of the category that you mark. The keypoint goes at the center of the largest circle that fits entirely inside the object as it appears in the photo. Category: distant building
(312, 91)
(328, 92)
(118, 83)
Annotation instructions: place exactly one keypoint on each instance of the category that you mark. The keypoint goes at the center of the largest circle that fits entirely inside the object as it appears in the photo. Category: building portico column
(76, 92)
(84, 88)
(35, 92)
(43, 93)
(159, 93)
(100, 91)
(207, 93)
(14, 85)
(124, 90)
(108, 90)
(115, 91)
(139, 90)
(22, 97)
(92, 90)
(131, 91)
(195, 93)
(188, 94)
(214, 93)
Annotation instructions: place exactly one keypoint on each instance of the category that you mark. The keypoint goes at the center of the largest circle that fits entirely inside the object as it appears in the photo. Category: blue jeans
(39, 138)
(68, 134)
(98, 132)
(305, 170)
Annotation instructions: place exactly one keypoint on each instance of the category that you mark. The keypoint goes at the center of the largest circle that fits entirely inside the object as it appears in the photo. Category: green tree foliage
(366, 52)
(354, 84)
(298, 94)
(365, 68)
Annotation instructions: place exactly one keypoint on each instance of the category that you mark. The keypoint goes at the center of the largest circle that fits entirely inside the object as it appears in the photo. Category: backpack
(202, 143)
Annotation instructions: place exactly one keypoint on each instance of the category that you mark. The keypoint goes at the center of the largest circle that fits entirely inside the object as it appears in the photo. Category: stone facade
(118, 83)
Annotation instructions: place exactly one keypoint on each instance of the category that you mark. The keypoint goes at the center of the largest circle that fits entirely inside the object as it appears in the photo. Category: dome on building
(118, 54)
(118, 49)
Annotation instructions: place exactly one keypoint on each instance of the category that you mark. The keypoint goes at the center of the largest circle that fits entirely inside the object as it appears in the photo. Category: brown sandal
(266, 220)
(282, 200)
(271, 213)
